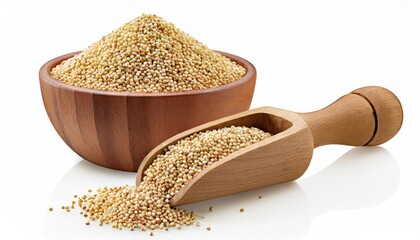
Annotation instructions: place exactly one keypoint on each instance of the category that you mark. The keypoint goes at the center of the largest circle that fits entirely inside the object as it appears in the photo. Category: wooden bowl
(117, 129)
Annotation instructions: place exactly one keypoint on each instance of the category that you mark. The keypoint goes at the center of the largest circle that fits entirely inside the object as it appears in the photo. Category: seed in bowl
(147, 205)
(148, 55)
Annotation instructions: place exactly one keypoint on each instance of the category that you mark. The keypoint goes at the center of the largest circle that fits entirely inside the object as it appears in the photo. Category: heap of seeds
(147, 206)
(148, 55)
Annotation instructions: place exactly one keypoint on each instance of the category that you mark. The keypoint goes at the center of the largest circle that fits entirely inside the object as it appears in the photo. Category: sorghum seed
(211, 209)
(241, 210)
(88, 223)
(148, 55)
(151, 234)
(147, 206)
(259, 197)
(51, 209)
(208, 228)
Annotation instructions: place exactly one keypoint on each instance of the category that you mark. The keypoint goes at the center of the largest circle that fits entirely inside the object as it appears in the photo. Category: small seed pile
(148, 55)
(147, 206)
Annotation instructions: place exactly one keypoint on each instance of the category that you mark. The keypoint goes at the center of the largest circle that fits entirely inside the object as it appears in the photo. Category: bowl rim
(44, 75)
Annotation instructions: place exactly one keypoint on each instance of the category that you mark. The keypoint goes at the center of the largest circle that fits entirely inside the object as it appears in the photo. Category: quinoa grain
(148, 55)
(147, 206)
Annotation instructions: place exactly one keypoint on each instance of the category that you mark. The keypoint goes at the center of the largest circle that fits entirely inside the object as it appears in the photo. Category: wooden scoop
(367, 116)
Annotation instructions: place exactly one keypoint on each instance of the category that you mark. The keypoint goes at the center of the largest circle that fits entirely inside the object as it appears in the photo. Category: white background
(307, 54)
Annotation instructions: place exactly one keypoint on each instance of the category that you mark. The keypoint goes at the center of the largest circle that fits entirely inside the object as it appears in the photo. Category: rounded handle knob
(367, 116)
(387, 110)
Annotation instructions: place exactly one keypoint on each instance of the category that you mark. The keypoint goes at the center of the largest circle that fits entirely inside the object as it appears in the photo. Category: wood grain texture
(348, 121)
(352, 120)
(117, 130)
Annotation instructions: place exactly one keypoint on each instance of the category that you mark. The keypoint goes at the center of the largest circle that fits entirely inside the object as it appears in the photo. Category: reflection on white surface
(362, 178)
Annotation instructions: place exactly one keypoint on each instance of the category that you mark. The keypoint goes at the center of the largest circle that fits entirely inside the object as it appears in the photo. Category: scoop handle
(367, 116)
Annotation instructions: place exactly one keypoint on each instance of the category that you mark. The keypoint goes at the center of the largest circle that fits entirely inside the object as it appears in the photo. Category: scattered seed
(211, 209)
(151, 234)
(259, 197)
(208, 228)
(88, 223)
(241, 209)
(147, 206)
(50, 209)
